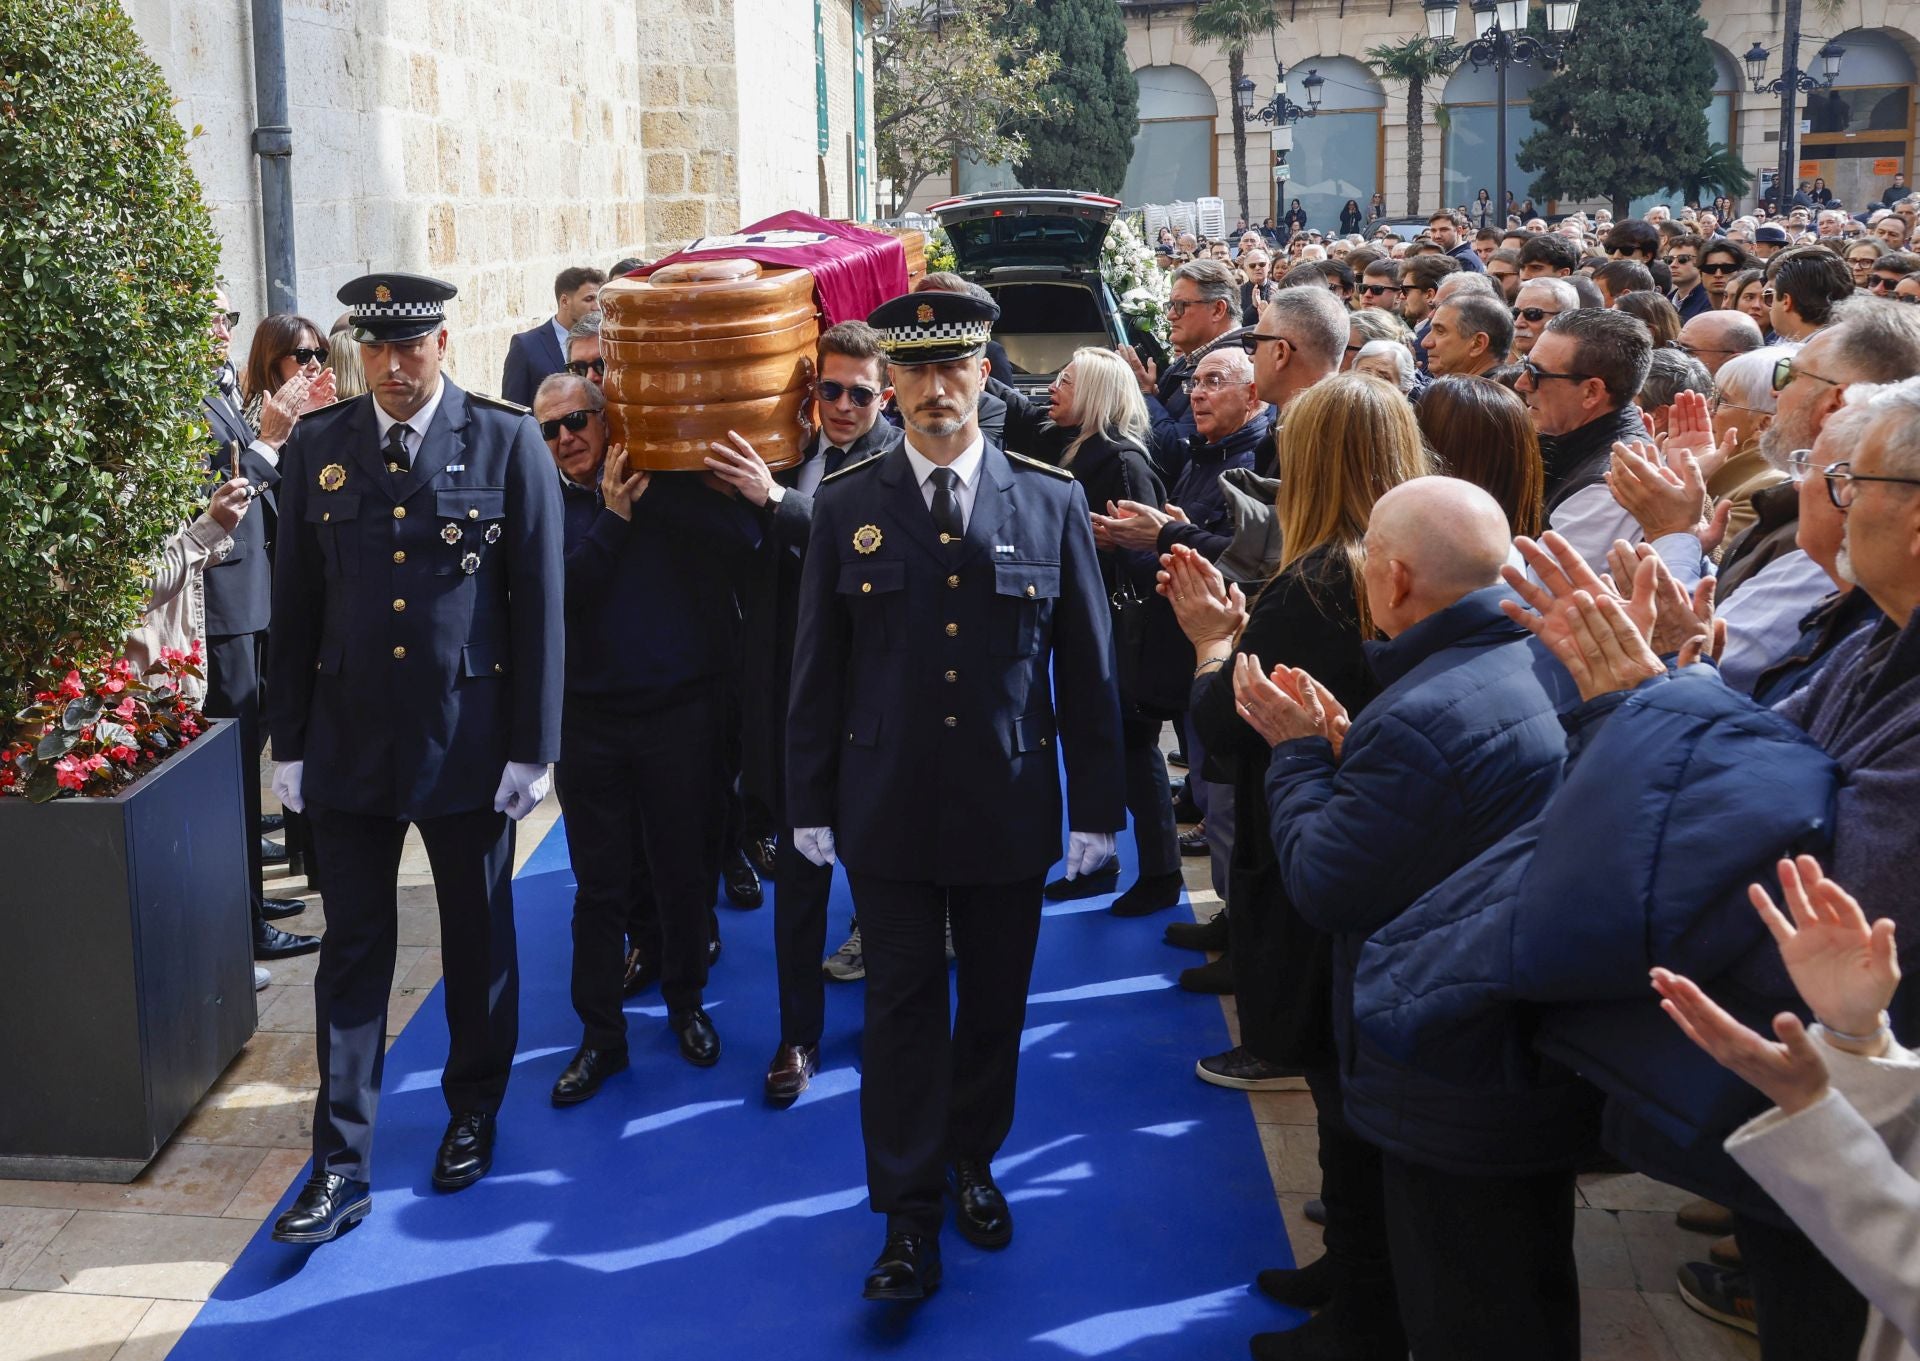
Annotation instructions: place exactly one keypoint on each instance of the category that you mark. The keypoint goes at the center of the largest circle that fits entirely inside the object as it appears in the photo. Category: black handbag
(1153, 658)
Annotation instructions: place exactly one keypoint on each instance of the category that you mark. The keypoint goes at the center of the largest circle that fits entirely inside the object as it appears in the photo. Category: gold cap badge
(924, 313)
(866, 539)
(382, 293)
(333, 477)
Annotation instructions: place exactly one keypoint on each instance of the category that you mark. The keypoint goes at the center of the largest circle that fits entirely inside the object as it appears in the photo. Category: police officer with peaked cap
(943, 581)
(414, 679)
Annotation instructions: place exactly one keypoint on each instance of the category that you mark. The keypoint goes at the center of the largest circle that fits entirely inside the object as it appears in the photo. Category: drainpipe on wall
(273, 144)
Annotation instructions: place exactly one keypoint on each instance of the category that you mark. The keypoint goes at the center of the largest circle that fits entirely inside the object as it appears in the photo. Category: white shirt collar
(966, 467)
(418, 421)
(562, 334)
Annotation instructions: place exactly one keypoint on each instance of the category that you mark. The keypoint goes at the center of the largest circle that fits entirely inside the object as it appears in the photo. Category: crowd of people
(1513, 602)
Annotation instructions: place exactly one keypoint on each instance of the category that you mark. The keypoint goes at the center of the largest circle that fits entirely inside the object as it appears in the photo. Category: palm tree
(1722, 171)
(1416, 61)
(1231, 25)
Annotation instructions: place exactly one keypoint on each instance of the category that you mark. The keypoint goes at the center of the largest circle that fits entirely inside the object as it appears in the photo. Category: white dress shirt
(966, 468)
(417, 422)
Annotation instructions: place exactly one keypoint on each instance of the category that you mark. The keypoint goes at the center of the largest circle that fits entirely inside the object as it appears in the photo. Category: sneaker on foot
(1193, 841)
(1719, 1294)
(1243, 1071)
(260, 978)
(846, 965)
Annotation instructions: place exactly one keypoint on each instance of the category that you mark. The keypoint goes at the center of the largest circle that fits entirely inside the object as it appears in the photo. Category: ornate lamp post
(1500, 39)
(1281, 113)
(1791, 82)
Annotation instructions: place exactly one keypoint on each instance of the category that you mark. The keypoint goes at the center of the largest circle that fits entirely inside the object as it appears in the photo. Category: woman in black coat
(1350, 218)
(1296, 219)
(1346, 441)
(1095, 426)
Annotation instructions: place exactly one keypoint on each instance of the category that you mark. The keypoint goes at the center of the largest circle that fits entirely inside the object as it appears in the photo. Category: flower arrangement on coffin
(100, 728)
(1127, 264)
(940, 255)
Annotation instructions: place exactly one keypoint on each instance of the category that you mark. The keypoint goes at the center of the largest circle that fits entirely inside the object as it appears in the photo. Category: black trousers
(1805, 1309)
(1483, 1265)
(929, 1094)
(647, 778)
(800, 892)
(233, 691)
(1149, 797)
(472, 858)
(1356, 1231)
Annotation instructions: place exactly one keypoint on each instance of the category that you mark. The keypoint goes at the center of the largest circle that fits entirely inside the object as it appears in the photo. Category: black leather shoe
(908, 1268)
(466, 1151)
(1302, 1287)
(642, 973)
(272, 852)
(790, 1072)
(273, 909)
(1149, 894)
(1209, 935)
(1103, 880)
(270, 942)
(1216, 977)
(742, 882)
(327, 1206)
(980, 1212)
(583, 1076)
(272, 822)
(699, 1041)
(760, 851)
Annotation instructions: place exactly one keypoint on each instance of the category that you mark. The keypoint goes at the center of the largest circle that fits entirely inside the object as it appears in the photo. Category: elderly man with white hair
(1539, 301)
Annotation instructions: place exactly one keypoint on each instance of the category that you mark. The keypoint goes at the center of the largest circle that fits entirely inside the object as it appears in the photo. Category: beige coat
(177, 606)
(1737, 480)
(1844, 1170)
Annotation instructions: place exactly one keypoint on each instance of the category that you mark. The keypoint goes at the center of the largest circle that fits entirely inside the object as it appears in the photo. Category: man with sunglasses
(1690, 296)
(584, 359)
(848, 395)
(1720, 259)
(1540, 300)
(1379, 287)
(414, 681)
(1883, 280)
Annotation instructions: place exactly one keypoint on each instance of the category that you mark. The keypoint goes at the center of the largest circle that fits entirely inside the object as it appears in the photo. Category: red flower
(122, 668)
(171, 654)
(73, 687)
(193, 653)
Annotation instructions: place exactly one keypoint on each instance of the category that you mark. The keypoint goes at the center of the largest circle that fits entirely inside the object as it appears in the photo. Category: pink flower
(67, 773)
(123, 754)
(73, 687)
(126, 708)
(112, 687)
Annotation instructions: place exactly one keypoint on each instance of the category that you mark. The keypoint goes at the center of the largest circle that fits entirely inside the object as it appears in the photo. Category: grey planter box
(126, 964)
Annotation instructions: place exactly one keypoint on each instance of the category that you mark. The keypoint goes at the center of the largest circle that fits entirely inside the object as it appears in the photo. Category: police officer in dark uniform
(415, 680)
(850, 392)
(943, 580)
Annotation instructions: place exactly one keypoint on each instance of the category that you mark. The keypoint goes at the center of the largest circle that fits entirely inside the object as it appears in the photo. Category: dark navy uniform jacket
(922, 726)
(240, 586)
(417, 616)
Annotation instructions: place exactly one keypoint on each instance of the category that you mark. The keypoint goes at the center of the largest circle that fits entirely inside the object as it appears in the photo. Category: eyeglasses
(580, 368)
(1799, 464)
(1680, 260)
(1180, 305)
(1785, 372)
(1841, 479)
(1767, 296)
(1251, 341)
(231, 318)
(1378, 290)
(1534, 315)
(860, 395)
(1536, 375)
(575, 421)
(304, 356)
(1213, 382)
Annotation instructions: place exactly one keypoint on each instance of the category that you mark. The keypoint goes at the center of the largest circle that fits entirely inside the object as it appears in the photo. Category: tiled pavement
(116, 1273)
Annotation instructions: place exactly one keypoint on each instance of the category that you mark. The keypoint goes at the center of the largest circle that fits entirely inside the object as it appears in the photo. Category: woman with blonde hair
(349, 376)
(1346, 442)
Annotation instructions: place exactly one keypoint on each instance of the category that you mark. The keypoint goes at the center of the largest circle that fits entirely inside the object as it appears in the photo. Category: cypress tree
(1087, 140)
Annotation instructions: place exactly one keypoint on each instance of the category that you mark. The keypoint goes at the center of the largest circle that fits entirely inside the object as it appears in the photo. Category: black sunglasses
(233, 318)
(1535, 374)
(580, 368)
(829, 391)
(1725, 267)
(1250, 342)
(575, 421)
(1375, 290)
(1535, 315)
(303, 356)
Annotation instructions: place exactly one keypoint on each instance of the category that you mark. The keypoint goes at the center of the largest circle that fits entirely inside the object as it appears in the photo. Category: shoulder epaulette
(852, 468)
(331, 407)
(1037, 465)
(499, 403)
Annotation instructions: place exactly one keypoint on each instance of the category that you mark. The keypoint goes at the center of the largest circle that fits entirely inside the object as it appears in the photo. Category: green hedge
(107, 268)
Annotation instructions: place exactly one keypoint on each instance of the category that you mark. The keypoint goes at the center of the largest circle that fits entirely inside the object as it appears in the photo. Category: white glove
(522, 786)
(816, 843)
(1087, 852)
(286, 785)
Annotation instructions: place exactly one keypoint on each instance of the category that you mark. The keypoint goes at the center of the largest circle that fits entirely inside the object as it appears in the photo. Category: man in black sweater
(651, 565)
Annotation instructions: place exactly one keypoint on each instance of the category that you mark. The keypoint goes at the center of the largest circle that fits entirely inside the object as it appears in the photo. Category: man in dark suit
(534, 354)
(415, 675)
(944, 582)
(239, 603)
(850, 392)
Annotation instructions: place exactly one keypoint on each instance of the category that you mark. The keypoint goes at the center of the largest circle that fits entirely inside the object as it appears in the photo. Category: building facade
(495, 142)
(1854, 137)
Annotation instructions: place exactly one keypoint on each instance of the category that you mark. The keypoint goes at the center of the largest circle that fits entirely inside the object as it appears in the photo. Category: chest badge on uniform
(470, 563)
(493, 533)
(450, 533)
(866, 539)
(333, 477)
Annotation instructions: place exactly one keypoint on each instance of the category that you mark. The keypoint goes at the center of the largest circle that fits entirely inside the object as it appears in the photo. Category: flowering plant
(100, 728)
(1128, 266)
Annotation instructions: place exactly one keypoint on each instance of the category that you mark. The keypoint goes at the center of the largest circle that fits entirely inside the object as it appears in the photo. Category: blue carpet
(676, 1216)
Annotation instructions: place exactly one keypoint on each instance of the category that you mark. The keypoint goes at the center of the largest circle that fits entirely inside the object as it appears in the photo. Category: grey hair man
(1539, 301)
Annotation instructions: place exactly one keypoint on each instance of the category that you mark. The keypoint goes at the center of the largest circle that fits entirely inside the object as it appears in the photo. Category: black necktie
(946, 505)
(397, 460)
(835, 456)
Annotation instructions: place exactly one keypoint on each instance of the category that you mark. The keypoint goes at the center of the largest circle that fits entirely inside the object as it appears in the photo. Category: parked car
(1037, 251)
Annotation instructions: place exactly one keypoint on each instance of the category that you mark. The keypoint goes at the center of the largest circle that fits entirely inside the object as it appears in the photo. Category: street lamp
(1500, 40)
(1791, 81)
(1280, 112)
